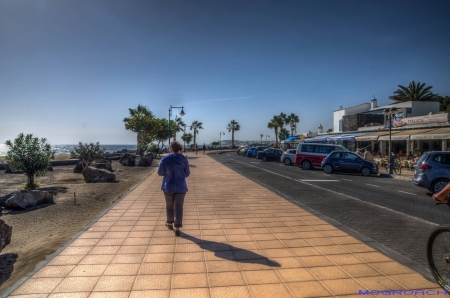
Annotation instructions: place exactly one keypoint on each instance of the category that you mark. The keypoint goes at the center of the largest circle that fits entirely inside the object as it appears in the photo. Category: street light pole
(261, 135)
(293, 128)
(220, 140)
(390, 112)
(170, 114)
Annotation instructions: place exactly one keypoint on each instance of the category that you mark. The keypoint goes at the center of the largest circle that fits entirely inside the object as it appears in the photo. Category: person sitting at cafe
(410, 156)
(367, 155)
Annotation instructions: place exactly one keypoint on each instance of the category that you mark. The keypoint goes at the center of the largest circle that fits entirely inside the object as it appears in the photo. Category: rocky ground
(40, 231)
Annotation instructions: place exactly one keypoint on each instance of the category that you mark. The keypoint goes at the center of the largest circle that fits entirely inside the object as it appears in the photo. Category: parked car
(250, 152)
(244, 151)
(288, 157)
(260, 149)
(270, 154)
(432, 170)
(240, 148)
(311, 155)
(340, 161)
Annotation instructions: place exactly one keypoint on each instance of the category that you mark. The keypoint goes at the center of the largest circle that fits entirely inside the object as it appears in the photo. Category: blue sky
(69, 70)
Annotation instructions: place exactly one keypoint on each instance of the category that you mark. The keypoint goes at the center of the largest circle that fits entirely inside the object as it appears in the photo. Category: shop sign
(399, 121)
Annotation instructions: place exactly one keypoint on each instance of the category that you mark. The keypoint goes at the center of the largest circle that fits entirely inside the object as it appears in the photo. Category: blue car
(251, 152)
(339, 161)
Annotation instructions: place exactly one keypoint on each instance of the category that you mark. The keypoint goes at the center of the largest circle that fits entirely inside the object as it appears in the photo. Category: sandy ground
(38, 232)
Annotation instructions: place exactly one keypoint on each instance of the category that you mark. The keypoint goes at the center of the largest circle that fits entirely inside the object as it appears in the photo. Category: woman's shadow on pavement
(231, 253)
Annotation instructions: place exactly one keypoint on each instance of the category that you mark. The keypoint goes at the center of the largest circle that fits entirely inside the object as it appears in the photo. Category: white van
(311, 155)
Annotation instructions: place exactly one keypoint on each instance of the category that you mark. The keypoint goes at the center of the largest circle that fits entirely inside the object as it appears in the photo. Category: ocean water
(66, 148)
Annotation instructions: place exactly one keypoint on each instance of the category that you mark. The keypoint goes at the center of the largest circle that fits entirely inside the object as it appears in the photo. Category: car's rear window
(422, 158)
(442, 158)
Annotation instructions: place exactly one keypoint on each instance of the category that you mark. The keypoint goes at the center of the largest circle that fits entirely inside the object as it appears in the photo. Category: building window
(340, 125)
(408, 110)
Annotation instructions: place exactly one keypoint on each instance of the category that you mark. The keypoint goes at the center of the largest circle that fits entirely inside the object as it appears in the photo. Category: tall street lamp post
(390, 113)
(266, 138)
(261, 135)
(170, 114)
(220, 139)
(293, 128)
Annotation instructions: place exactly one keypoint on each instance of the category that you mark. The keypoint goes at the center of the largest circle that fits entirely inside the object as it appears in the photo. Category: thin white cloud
(16, 123)
(222, 99)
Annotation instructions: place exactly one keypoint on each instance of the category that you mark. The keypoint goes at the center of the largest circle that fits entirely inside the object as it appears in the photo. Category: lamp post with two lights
(390, 113)
(220, 139)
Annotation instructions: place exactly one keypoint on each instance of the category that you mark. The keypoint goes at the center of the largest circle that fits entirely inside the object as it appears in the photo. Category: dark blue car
(270, 154)
(339, 161)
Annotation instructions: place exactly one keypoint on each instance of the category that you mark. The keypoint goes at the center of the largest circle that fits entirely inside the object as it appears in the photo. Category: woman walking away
(204, 148)
(175, 168)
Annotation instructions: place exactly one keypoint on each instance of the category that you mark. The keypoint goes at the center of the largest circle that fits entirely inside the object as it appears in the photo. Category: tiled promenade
(239, 240)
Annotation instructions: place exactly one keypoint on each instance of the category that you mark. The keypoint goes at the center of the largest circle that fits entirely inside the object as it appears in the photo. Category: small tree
(87, 153)
(153, 148)
(215, 143)
(29, 155)
(187, 137)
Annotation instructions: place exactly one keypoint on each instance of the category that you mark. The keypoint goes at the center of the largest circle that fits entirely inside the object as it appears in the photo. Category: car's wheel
(328, 169)
(306, 165)
(249, 155)
(264, 158)
(438, 185)
(365, 171)
(287, 161)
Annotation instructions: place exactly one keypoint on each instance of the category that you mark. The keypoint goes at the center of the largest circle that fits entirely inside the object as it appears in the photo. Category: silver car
(432, 171)
(288, 157)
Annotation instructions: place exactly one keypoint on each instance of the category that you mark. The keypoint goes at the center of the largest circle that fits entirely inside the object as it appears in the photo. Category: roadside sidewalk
(405, 175)
(239, 240)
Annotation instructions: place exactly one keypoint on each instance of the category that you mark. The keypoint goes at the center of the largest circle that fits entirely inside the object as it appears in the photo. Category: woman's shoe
(177, 232)
(170, 226)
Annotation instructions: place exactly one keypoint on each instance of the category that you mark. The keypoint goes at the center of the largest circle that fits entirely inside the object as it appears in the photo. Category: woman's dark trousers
(174, 207)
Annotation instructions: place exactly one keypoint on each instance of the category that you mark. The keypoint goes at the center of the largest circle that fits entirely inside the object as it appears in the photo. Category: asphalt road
(394, 216)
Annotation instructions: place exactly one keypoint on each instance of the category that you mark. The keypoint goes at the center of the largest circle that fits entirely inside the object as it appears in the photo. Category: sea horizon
(67, 148)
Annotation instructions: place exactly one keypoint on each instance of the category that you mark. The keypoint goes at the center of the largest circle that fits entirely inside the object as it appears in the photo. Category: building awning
(315, 140)
(405, 134)
(435, 134)
(291, 138)
(341, 138)
(371, 137)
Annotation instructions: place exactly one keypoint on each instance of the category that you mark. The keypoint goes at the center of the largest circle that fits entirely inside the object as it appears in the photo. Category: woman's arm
(187, 171)
(161, 168)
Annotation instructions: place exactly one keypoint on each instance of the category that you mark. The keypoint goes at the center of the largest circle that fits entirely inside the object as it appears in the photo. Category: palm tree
(283, 134)
(137, 121)
(233, 126)
(195, 126)
(292, 119)
(275, 123)
(414, 92)
(179, 124)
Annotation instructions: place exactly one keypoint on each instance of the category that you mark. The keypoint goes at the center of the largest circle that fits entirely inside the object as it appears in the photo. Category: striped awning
(436, 134)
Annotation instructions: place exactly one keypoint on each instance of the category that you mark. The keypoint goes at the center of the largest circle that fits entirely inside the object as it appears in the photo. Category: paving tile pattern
(408, 241)
(239, 240)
